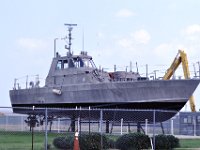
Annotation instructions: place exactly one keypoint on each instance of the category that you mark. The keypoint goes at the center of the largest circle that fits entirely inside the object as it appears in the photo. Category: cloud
(124, 13)
(125, 42)
(141, 36)
(32, 48)
(31, 43)
(187, 40)
(192, 29)
(172, 6)
(33, 55)
(100, 35)
(135, 38)
(164, 49)
(191, 35)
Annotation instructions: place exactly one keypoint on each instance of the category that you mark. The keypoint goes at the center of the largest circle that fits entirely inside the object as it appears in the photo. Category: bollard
(76, 142)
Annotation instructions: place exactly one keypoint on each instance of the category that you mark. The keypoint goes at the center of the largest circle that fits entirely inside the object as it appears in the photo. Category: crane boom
(181, 57)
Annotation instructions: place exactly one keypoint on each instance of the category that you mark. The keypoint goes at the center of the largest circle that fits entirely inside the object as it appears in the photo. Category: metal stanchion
(32, 127)
(154, 125)
(46, 140)
(89, 120)
(101, 124)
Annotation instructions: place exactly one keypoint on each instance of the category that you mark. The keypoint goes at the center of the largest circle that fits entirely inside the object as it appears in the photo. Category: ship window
(76, 62)
(59, 65)
(85, 63)
(71, 63)
(81, 63)
(65, 64)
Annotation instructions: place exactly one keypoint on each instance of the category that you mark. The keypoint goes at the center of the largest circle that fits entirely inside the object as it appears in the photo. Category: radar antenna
(70, 27)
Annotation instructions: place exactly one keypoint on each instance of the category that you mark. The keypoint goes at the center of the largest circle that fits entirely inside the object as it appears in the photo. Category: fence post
(6, 122)
(89, 120)
(33, 127)
(46, 140)
(79, 122)
(22, 123)
(172, 127)
(121, 126)
(146, 126)
(154, 125)
(101, 124)
(58, 125)
(194, 120)
(78, 125)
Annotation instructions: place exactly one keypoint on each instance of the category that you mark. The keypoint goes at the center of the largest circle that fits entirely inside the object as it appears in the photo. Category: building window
(189, 119)
(198, 119)
(185, 120)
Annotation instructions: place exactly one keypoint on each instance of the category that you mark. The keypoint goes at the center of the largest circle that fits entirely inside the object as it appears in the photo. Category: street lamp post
(55, 46)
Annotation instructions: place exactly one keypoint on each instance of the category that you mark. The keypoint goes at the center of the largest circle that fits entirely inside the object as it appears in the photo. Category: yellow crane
(181, 57)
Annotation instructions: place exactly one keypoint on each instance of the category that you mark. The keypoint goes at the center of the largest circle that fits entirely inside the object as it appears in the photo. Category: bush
(86, 142)
(161, 142)
(166, 141)
(63, 142)
(174, 142)
(111, 143)
(92, 141)
(133, 141)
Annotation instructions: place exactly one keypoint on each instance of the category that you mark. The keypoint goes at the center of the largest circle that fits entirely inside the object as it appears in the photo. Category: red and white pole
(76, 142)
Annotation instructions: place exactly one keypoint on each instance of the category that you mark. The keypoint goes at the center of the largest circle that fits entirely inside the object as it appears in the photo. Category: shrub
(111, 143)
(86, 142)
(133, 141)
(174, 142)
(161, 142)
(63, 142)
(166, 141)
(92, 141)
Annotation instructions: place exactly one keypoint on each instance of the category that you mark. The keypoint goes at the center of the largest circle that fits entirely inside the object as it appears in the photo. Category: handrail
(25, 82)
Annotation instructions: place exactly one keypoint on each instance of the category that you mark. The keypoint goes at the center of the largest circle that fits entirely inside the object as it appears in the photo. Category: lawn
(189, 143)
(23, 141)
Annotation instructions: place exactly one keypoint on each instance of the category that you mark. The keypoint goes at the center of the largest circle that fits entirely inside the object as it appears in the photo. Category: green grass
(189, 143)
(23, 140)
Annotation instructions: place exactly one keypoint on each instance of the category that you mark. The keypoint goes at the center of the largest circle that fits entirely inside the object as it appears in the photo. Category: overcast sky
(115, 32)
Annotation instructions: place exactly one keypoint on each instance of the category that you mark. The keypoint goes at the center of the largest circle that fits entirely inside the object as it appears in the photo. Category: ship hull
(143, 95)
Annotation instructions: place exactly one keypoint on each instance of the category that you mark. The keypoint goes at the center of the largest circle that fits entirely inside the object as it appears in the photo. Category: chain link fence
(36, 128)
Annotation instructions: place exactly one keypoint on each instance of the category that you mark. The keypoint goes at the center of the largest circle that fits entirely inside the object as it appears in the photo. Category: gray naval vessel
(74, 81)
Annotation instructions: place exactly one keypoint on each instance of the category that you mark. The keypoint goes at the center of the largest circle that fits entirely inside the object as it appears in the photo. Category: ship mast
(70, 27)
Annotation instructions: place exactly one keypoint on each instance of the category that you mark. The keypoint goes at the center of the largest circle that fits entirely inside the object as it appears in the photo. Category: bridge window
(59, 65)
(65, 64)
